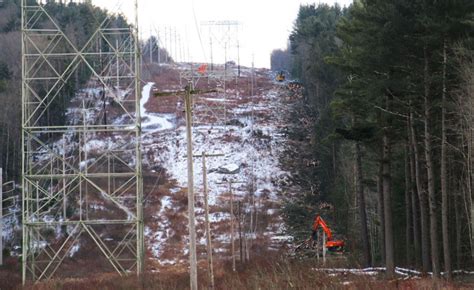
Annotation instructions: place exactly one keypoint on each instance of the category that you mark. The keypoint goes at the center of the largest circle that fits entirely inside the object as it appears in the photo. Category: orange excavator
(331, 245)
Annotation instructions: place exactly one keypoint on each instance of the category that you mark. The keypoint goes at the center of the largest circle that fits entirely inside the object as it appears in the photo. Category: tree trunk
(408, 223)
(457, 214)
(413, 195)
(430, 172)
(334, 165)
(7, 169)
(425, 244)
(387, 197)
(468, 193)
(380, 209)
(443, 173)
(362, 212)
(468, 134)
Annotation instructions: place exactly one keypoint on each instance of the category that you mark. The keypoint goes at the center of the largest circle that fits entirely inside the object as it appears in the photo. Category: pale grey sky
(265, 25)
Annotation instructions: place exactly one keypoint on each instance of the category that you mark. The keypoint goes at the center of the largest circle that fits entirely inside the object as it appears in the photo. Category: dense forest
(73, 17)
(10, 86)
(79, 21)
(387, 119)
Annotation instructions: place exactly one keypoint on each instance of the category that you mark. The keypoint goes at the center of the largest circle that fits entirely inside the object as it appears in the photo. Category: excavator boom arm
(319, 222)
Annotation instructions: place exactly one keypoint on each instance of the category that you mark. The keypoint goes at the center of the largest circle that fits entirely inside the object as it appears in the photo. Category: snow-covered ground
(253, 153)
(249, 139)
(250, 143)
(151, 122)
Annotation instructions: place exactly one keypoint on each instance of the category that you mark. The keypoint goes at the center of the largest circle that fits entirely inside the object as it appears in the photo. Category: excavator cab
(335, 246)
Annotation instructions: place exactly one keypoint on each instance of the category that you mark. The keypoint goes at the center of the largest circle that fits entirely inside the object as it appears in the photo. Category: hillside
(249, 136)
(347, 165)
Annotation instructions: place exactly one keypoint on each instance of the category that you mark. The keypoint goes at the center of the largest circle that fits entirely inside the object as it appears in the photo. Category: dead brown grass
(112, 282)
(265, 271)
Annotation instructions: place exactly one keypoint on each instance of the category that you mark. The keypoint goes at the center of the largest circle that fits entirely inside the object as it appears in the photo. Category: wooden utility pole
(150, 48)
(166, 45)
(191, 218)
(232, 240)
(238, 59)
(189, 90)
(175, 46)
(232, 225)
(212, 61)
(240, 233)
(158, 45)
(210, 271)
(324, 248)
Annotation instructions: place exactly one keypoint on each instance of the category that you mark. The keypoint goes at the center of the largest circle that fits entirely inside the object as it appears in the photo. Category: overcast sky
(264, 26)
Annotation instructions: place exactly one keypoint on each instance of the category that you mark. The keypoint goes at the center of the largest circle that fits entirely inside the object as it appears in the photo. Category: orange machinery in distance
(331, 245)
(280, 77)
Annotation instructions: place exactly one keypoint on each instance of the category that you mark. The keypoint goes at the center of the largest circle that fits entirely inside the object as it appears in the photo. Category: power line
(198, 31)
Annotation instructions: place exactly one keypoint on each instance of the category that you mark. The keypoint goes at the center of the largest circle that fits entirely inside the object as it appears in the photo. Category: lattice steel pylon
(82, 176)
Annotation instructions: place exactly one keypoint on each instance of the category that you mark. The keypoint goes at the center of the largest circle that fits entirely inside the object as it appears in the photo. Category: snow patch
(154, 122)
(229, 169)
(74, 250)
(96, 145)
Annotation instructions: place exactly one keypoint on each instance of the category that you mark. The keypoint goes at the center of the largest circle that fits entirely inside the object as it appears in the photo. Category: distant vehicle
(280, 77)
